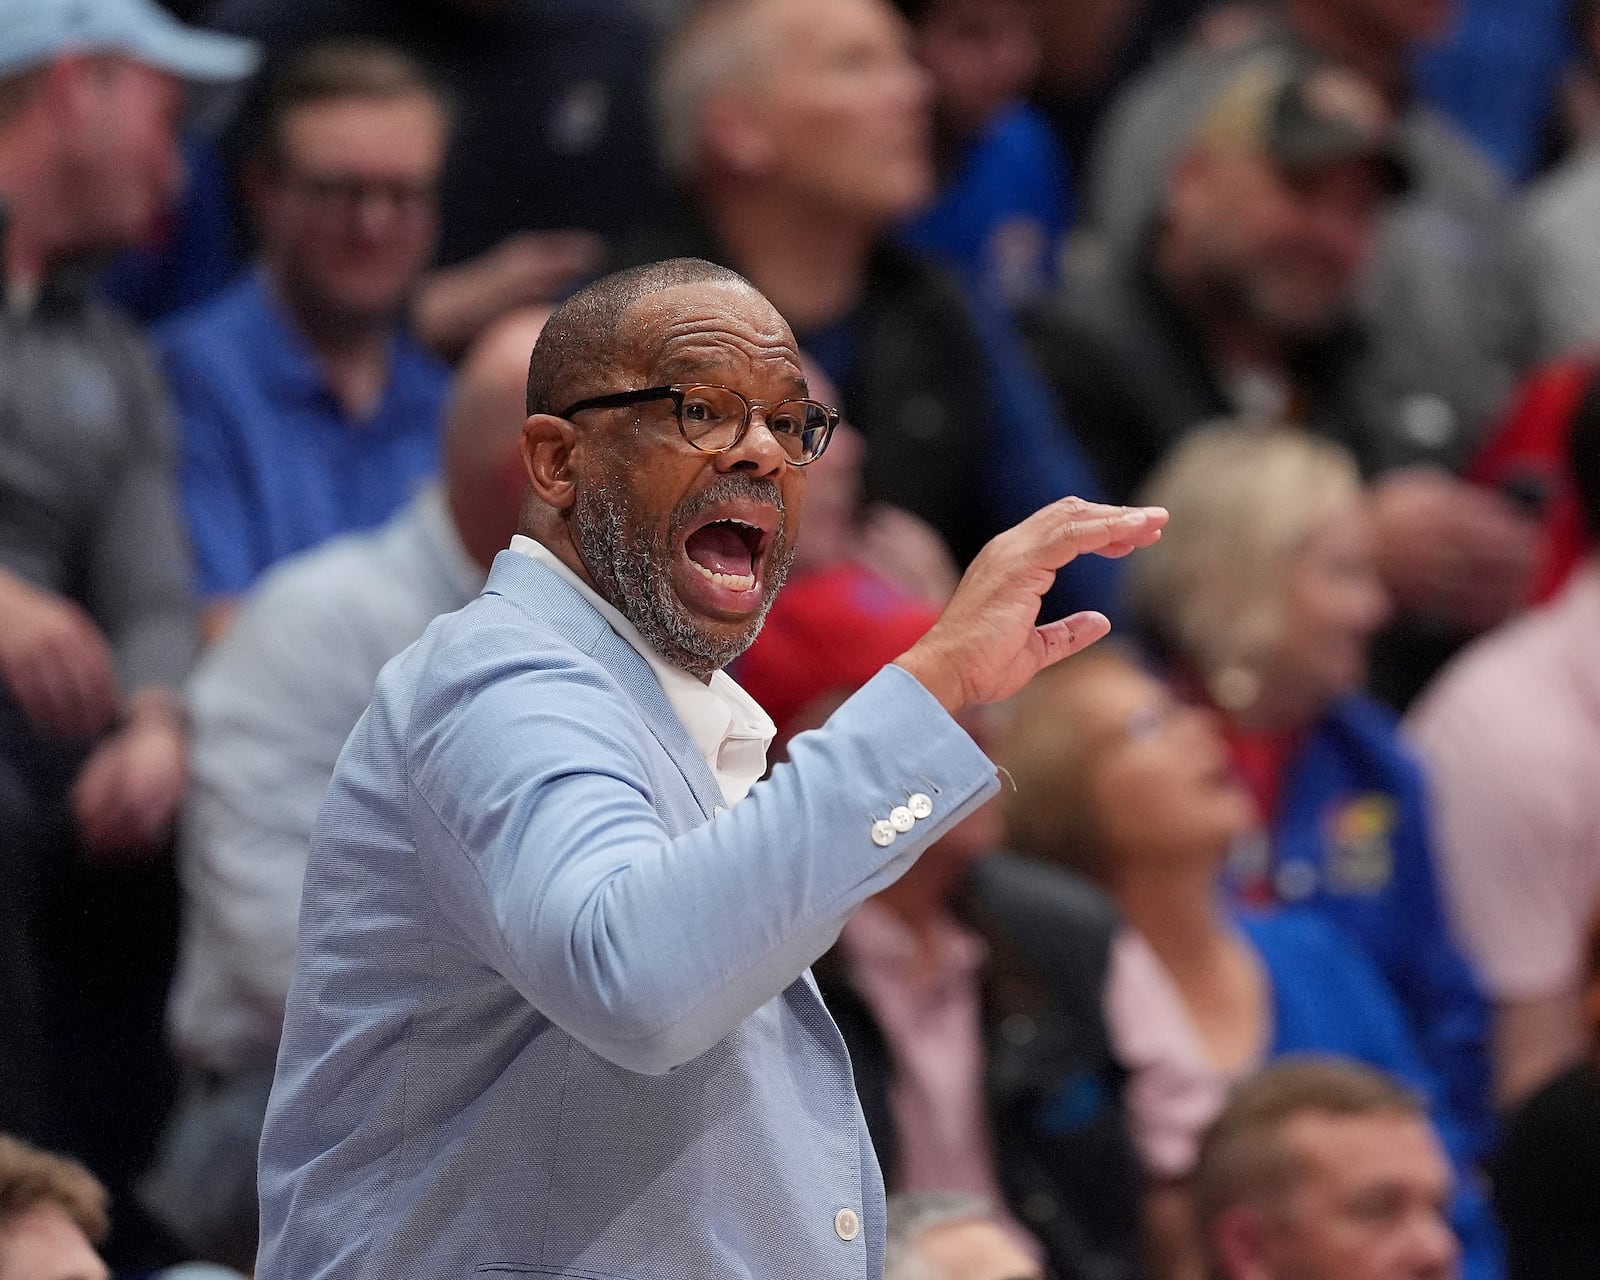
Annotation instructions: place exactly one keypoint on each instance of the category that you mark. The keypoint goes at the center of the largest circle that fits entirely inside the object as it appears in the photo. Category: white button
(847, 1224)
(919, 805)
(901, 819)
(718, 808)
(883, 833)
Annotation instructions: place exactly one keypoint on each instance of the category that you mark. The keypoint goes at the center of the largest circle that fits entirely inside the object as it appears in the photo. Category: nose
(758, 451)
(376, 211)
(1438, 1252)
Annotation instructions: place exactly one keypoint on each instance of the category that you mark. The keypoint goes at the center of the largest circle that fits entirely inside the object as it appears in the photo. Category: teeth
(732, 581)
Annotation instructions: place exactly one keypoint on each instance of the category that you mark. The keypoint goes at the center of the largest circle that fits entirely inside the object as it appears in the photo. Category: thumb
(1066, 636)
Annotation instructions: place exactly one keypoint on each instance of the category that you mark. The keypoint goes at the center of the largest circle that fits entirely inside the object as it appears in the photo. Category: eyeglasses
(343, 196)
(714, 419)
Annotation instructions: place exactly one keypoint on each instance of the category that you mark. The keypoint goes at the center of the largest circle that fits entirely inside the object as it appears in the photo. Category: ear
(548, 446)
(733, 134)
(1241, 1242)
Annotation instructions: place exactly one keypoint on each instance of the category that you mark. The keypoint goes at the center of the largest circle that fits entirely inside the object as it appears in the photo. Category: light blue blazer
(551, 1014)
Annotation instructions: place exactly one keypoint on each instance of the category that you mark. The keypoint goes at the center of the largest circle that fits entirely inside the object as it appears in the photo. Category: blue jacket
(1352, 840)
(1328, 998)
(551, 1014)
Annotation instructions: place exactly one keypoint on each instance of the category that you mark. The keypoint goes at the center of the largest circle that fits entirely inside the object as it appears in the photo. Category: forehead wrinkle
(699, 352)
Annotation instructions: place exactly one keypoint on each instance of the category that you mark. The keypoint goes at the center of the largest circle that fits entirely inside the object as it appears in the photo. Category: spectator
(1324, 1171)
(551, 155)
(1057, 1095)
(799, 131)
(1263, 609)
(1510, 731)
(948, 1236)
(1554, 259)
(52, 1215)
(306, 409)
(1118, 782)
(1243, 300)
(1004, 202)
(98, 627)
(1432, 296)
(842, 526)
(1547, 1168)
(272, 704)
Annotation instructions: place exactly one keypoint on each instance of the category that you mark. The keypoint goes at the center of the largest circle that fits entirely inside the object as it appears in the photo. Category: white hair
(716, 43)
(1243, 500)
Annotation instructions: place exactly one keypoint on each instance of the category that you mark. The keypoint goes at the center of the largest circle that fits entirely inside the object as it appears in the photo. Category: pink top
(1511, 732)
(930, 1018)
(1174, 1090)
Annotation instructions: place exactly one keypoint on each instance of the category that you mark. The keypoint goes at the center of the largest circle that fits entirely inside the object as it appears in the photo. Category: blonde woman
(1261, 605)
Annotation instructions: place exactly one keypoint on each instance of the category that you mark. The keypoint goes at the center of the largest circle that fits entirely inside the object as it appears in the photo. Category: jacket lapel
(547, 599)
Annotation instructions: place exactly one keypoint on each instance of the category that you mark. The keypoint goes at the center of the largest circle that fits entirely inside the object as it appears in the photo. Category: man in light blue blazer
(551, 1014)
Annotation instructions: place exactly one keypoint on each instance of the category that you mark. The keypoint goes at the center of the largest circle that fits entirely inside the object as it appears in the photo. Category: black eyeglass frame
(678, 390)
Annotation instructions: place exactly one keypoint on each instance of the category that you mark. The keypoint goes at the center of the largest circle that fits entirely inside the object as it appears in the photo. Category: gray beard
(633, 572)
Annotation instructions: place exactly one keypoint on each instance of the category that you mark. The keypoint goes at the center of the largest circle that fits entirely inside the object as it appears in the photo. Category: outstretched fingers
(1073, 527)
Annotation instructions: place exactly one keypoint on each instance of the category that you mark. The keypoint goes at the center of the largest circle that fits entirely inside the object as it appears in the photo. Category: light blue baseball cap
(34, 31)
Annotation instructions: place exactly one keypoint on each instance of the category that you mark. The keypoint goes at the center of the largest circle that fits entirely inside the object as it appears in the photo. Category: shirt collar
(290, 360)
(725, 723)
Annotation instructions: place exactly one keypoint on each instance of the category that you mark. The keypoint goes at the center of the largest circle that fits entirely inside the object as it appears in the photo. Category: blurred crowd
(1279, 956)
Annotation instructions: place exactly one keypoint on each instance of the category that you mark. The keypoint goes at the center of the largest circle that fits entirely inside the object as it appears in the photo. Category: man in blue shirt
(550, 1012)
(306, 410)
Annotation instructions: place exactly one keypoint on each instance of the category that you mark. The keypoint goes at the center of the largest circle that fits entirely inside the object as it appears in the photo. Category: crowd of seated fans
(1276, 958)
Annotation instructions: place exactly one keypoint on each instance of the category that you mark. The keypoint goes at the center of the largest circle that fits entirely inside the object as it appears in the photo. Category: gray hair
(716, 43)
(914, 1213)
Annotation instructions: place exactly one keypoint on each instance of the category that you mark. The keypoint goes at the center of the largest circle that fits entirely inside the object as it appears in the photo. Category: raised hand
(987, 644)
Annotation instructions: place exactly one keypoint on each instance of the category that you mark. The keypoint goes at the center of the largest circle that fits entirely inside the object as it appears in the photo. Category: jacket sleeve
(541, 839)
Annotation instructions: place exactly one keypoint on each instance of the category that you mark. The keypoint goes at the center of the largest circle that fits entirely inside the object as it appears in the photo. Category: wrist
(156, 708)
(935, 673)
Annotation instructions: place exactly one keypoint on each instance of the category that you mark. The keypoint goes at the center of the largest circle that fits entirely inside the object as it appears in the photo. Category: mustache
(728, 487)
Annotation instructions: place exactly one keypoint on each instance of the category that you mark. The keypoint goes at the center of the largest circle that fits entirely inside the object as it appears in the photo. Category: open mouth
(728, 552)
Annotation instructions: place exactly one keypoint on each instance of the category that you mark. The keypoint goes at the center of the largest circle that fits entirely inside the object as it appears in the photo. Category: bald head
(588, 335)
(483, 432)
(813, 111)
